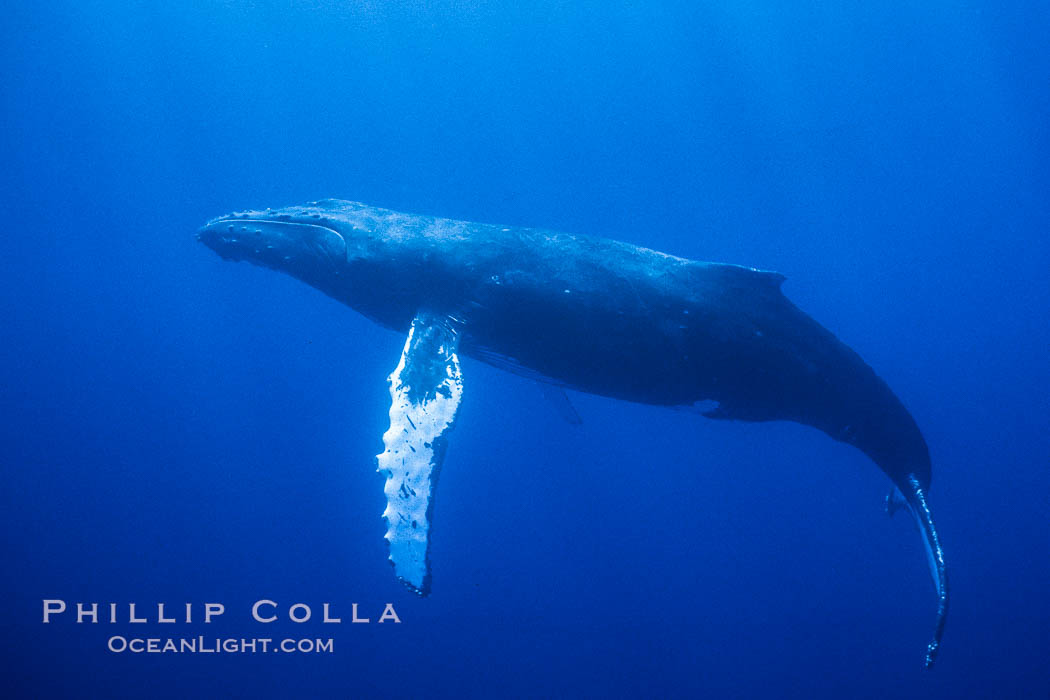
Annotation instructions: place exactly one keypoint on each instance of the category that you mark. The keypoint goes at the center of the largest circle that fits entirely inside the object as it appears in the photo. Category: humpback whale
(578, 312)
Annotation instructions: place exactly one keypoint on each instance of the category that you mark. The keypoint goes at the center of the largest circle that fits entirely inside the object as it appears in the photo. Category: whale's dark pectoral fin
(916, 501)
(425, 390)
(561, 403)
(894, 501)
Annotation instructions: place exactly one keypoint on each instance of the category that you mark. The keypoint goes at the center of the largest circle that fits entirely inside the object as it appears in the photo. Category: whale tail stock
(912, 496)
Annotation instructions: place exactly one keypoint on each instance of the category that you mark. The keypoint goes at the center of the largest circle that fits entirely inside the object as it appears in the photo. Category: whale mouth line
(270, 222)
(223, 227)
(238, 238)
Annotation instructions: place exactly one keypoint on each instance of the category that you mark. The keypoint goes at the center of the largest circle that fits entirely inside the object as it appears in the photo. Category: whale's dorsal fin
(425, 392)
(747, 276)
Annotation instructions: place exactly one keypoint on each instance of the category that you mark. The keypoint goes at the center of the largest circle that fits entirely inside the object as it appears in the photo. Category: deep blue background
(179, 429)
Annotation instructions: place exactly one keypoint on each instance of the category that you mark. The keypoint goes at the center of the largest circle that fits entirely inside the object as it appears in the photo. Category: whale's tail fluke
(915, 500)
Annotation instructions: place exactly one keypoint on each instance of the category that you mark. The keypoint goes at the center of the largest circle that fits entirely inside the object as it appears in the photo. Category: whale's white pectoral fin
(425, 390)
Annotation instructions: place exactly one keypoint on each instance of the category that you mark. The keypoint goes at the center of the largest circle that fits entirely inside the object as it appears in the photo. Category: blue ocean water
(178, 429)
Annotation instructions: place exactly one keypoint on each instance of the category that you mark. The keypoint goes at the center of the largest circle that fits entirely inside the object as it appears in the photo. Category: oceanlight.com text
(217, 645)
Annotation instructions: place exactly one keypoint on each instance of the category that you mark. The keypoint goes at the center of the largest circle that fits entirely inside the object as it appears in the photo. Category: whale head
(301, 241)
(344, 249)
